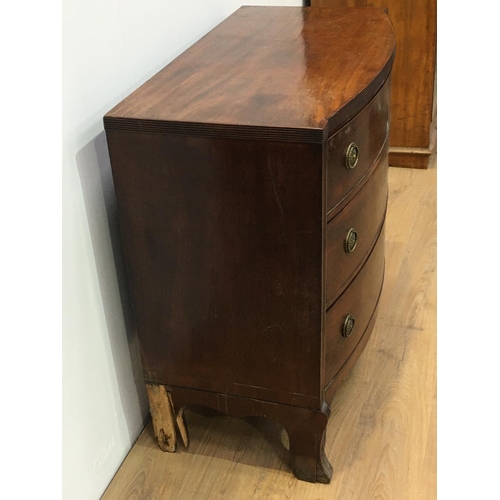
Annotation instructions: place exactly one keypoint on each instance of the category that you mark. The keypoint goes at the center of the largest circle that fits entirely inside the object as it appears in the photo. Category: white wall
(110, 47)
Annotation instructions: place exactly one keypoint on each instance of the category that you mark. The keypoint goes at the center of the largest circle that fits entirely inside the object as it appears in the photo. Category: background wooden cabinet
(413, 76)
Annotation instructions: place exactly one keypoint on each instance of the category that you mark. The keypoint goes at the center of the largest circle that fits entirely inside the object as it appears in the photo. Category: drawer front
(368, 131)
(359, 302)
(353, 232)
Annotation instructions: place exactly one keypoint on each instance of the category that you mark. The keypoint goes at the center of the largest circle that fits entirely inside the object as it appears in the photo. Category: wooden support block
(162, 414)
(181, 425)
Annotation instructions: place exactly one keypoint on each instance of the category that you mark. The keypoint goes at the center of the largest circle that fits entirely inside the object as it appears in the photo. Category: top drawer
(368, 131)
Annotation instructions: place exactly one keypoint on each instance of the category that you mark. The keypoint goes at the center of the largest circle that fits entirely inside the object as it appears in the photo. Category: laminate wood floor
(381, 437)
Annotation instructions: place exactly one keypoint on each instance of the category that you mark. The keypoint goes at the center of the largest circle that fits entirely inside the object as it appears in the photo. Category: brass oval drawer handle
(348, 326)
(351, 240)
(351, 156)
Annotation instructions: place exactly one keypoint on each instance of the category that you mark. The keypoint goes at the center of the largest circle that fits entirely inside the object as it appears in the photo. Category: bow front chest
(251, 182)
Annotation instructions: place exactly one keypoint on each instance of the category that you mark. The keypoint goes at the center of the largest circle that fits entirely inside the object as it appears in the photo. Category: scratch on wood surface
(274, 188)
(282, 217)
(268, 328)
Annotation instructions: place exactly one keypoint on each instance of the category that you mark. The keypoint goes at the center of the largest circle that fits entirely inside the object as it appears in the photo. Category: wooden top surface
(277, 73)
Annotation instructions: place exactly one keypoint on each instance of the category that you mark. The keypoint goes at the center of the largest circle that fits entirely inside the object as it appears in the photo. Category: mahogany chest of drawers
(251, 181)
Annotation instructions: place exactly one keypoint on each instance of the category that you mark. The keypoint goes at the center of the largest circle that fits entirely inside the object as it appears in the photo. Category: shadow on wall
(100, 203)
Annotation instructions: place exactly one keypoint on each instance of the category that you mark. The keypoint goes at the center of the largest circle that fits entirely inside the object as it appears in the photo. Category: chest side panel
(223, 242)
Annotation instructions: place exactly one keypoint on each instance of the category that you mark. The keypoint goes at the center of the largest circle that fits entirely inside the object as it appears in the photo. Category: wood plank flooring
(381, 437)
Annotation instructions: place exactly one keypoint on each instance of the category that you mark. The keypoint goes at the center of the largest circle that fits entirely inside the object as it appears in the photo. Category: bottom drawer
(349, 316)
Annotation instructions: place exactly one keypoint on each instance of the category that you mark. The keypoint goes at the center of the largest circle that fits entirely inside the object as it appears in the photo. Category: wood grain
(224, 256)
(413, 74)
(381, 436)
(271, 73)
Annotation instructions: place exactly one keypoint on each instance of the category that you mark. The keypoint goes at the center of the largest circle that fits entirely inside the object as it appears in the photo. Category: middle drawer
(353, 232)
